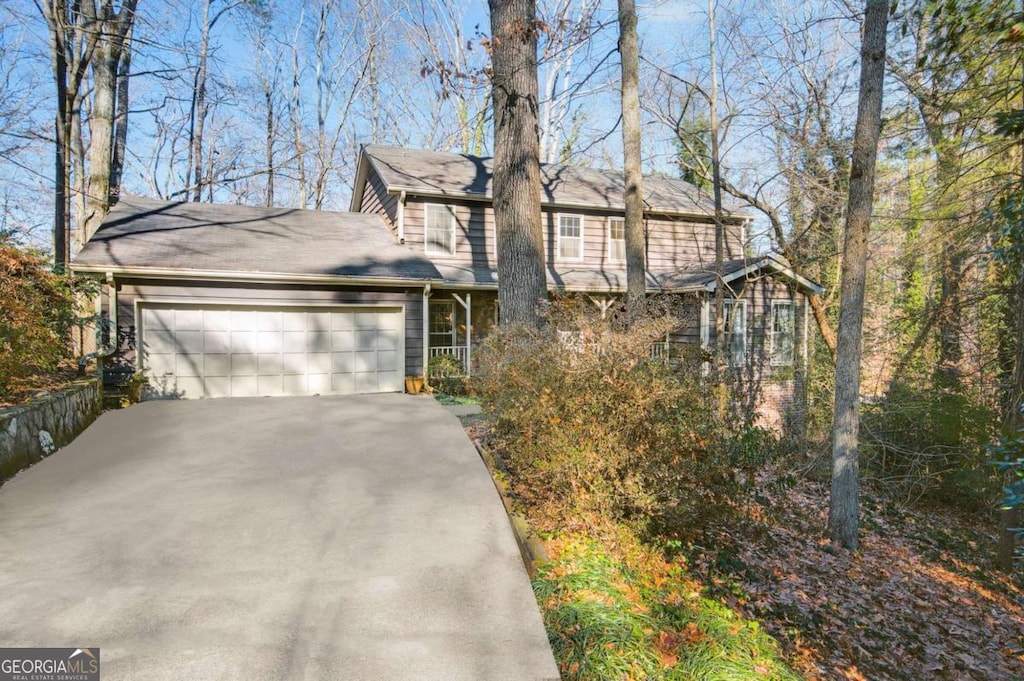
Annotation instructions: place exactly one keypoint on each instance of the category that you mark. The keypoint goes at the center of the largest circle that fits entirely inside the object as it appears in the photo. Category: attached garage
(208, 350)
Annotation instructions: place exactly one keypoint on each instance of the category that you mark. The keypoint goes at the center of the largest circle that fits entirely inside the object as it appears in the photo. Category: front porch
(454, 322)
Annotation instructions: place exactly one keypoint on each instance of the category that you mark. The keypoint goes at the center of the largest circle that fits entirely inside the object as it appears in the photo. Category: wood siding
(376, 199)
(212, 293)
(673, 243)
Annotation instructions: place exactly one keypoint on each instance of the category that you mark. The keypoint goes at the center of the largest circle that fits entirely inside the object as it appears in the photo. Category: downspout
(401, 217)
(102, 351)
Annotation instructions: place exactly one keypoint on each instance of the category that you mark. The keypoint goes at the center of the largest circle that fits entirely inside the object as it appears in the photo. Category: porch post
(469, 320)
(426, 333)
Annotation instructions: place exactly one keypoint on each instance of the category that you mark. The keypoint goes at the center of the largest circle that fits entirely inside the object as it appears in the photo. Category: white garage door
(242, 351)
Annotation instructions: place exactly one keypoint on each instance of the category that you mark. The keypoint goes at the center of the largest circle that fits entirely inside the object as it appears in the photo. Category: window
(616, 240)
(442, 323)
(782, 333)
(570, 237)
(440, 229)
(735, 312)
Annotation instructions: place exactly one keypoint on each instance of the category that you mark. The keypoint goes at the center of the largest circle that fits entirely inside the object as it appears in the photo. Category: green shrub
(591, 426)
(36, 318)
(929, 444)
(447, 374)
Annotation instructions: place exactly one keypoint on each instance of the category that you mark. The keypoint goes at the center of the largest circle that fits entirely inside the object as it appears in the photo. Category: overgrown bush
(930, 445)
(591, 425)
(447, 374)
(36, 317)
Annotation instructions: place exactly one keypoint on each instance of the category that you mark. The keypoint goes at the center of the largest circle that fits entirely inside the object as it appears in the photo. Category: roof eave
(176, 274)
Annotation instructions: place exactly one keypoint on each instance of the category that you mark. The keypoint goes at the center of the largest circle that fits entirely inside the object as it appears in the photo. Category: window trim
(558, 236)
(431, 335)
(608, 234)
(426, 229)
(772, 334)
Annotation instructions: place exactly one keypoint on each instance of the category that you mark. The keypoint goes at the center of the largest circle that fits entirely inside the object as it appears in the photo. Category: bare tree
(516, 178)
(844, 503)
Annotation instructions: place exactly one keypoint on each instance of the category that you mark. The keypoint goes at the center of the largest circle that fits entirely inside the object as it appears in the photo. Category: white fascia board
(774, 264)
(172, 274)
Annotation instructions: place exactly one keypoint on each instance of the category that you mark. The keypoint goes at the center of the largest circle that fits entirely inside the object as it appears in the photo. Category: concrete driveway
(270, 538)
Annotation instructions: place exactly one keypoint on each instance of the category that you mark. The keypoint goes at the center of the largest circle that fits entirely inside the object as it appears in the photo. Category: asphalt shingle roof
(143, 233)
(437, 173)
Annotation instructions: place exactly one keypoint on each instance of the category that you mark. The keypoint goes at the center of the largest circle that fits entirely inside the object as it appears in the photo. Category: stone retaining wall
(34, 430)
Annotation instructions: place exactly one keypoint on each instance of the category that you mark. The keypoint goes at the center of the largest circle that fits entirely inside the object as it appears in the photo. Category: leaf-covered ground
(917, 601)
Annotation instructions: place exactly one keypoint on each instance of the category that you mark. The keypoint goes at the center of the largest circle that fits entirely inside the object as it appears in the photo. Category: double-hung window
(440, 229)
(616, 240)
(442, 323)
(570, 237)
(782, 333)
(736, 332)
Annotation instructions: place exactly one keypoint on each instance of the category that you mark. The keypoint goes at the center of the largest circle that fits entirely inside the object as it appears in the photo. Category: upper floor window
(570, 237)
(782, 333)
(440, 229)
(735, 312)
(616, 240)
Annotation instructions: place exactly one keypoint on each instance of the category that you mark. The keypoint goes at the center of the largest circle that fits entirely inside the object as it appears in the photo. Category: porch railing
(459, 352)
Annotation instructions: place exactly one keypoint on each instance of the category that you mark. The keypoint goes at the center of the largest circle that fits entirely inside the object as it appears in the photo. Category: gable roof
(705, 278)
(443, 174)
(141, 235)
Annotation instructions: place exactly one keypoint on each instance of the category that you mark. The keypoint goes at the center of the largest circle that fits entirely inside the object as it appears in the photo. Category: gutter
(176, 274)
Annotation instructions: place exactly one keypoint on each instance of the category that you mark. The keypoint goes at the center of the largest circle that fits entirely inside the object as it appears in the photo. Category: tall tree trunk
(636, 257)
(198, 121)
(55, 12)
(516, 180)
(844, 504)
(721, 362)
(121, 118)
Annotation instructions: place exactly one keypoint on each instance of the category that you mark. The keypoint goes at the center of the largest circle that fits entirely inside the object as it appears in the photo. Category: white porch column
(426, 332)
(466, 305)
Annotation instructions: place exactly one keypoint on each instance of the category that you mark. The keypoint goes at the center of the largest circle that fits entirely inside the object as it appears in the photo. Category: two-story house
(219, 300)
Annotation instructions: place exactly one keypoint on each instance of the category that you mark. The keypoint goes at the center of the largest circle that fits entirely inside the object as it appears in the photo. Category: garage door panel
(216, 320)
(366, 361)
(318, 383)
(267, 364)
(190, 387)
(268, 341)
(294, 385)
(216, 341)
(243, 320)
(194, 351)
(217, 365)
(294, 363)
(244, 386)
(160, 341)
(342, 321)
(218, 386)
(343, 384)
(343, 340)
(188, 320)
(342, 362)
(188, 341)
(319, 363)
(188, 364)
(294, 341)
(366, 320)
(243, 365)
(270, 385)
(268, 321)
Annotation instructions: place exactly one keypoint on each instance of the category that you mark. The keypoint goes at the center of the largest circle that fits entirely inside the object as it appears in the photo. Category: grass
(447, 399)
(636, 616)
